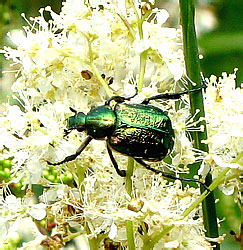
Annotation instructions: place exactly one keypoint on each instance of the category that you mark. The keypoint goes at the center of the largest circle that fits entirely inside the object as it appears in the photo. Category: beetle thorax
(100, 122)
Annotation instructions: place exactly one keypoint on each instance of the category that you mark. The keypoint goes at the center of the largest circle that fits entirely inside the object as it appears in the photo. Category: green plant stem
(80, 179)
(135, 10)
(72, 236)
(130, 235)
(187, 11)
(159, 236)
(94, 242)
(143, 55)
(129, 174)
(129, 27)
(203, 196)
(101, 80)
(130, 167)
(143, 58)
(150, 241)
(128, 186)
(94, 68)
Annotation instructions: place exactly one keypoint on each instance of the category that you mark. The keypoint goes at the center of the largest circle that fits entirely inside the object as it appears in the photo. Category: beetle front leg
(122, 173)
(74, 156)
(167, 175)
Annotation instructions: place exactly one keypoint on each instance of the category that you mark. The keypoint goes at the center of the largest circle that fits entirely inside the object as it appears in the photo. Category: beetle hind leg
(167, 175)
(177, 95)
(122, 173)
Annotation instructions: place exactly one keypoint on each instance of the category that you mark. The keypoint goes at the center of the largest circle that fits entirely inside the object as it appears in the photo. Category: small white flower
(12, 203)
(227, 189)
(161, 16)
(4, 227)
(38, 211)
(16, 118)
(141, 46)
(172, 244)
(113, 231)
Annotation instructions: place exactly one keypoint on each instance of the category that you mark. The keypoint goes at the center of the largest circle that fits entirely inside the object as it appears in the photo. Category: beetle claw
(66, 132)
(50, 163)
(73, 110)
(123, 173)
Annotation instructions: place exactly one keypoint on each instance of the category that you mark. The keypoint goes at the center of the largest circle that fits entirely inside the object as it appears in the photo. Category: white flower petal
(113, 231)
(38, 211)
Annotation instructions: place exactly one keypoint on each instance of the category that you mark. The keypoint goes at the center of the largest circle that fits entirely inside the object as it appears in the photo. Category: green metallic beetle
(141, 131)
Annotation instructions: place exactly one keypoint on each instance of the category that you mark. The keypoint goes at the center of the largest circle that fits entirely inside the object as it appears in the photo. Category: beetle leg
(120, 99)
(122, 173)
(116, 98)
(74, 156)
(167, 96)
(167, 175)
(67, 132)
(73, 110)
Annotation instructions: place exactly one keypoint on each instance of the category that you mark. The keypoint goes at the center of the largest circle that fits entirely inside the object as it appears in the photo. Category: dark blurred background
(220, 38)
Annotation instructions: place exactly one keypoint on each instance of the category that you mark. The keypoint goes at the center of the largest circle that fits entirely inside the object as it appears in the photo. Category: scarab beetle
(141, 131)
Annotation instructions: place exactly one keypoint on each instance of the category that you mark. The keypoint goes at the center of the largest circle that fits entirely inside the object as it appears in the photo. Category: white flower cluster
(223, 107)
(67, 62)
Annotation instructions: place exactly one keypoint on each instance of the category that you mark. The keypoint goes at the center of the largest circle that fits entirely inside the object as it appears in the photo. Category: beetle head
(77, 121)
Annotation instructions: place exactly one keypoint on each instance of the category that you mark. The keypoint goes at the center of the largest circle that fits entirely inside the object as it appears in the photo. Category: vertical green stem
(94, 69)
(187, 10)
(143, 58)
(94, 242)
(129, 174)
(101, 80)
(143, 55)
(128, 185)
(130, 235)
(80, 175)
